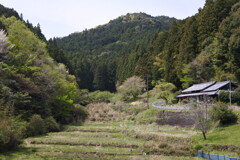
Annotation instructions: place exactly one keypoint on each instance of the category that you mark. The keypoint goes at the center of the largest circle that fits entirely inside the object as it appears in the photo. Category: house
(205, 92)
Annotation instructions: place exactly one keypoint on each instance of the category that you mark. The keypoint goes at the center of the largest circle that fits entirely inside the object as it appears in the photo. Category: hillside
(201, 48)
(197, 49)
(31, 82)
(94, 55)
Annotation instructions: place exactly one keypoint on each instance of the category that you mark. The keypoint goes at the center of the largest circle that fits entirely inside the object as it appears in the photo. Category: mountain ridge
(106, 45)
(140, 44)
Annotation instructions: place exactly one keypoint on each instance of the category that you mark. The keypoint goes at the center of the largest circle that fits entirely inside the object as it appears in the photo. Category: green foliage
(199, 70)
(134, 110)
(51, 125)
(227, 135)
(198, 147)
(221, 113)
(149, 115)
(31, 79)
(36, 126)
(80, 113)
(131, 88)
(7, 12)
(202, 47)
(100, 96)
(112, 52)
(12, 129)
(164, 90)
(224, 97)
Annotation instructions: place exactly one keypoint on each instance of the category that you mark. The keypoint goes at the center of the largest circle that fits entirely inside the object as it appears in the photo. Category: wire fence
(215, 156)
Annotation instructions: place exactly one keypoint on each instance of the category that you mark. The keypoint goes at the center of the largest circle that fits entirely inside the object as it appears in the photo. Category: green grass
(222, 141)
(120, 140)
(228, 135)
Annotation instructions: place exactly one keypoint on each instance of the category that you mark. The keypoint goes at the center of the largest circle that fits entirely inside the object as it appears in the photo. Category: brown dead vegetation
(103, 112)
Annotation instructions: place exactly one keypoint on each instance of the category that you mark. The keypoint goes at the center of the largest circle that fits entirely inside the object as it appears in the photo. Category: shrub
(36, 126)
(149, 115)
(224, 97)
(11, 133)
(100, 96)
(198, 147)
(165, 91)
(221, 113)
(236, 97)
(135, 109)
(12, 130)
(51, 125)
(79, 113)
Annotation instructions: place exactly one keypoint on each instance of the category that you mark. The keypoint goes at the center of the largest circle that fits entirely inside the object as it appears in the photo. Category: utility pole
(230, 93)
(147, 76)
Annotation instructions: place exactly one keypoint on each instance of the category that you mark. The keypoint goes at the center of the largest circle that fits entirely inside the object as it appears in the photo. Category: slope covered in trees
(30, 80)
(203, 47)
(200, 48)
(109, 53)
(36, 93)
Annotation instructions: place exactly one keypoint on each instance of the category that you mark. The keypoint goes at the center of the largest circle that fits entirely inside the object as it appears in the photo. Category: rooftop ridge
(199, 87)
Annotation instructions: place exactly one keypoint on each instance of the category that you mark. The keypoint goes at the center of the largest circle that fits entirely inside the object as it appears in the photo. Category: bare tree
(202, 119)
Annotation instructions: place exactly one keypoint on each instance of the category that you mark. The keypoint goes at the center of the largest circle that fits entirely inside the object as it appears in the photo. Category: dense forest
(203, 47)
(31, 82)
(197, 49)
(109, 53)
(200, 48)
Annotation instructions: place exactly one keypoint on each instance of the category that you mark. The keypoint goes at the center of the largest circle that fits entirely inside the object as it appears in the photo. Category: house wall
(201, 98)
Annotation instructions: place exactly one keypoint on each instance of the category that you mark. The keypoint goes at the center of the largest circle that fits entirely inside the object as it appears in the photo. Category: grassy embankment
(223, 140)
(108, 141)
(111, 134)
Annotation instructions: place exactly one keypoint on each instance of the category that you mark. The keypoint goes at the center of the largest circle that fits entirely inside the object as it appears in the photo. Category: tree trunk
(204, 135)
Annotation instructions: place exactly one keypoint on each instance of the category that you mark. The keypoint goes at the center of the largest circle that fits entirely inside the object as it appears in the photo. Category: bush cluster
(11, 133)
(224, 97)
(12, 130)
(100, 96)
(221, 113)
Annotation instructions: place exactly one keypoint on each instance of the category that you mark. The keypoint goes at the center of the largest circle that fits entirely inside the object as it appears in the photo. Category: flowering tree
(4, 43)
(131, 88)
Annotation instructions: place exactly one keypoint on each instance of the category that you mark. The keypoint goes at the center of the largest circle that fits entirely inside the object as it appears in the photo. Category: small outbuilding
(205, 92)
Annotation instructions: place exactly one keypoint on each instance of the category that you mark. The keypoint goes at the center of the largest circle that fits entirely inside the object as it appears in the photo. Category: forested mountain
(31, 82)
(109, 53)
(199, 48)
(203, 47)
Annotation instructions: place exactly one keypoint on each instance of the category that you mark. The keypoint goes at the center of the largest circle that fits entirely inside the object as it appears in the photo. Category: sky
(59, 18)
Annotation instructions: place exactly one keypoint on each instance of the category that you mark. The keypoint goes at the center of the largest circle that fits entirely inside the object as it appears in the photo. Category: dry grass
(103, 112)
(115, 140)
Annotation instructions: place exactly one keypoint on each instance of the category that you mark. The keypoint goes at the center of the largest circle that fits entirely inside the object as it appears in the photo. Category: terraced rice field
(107, 141)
